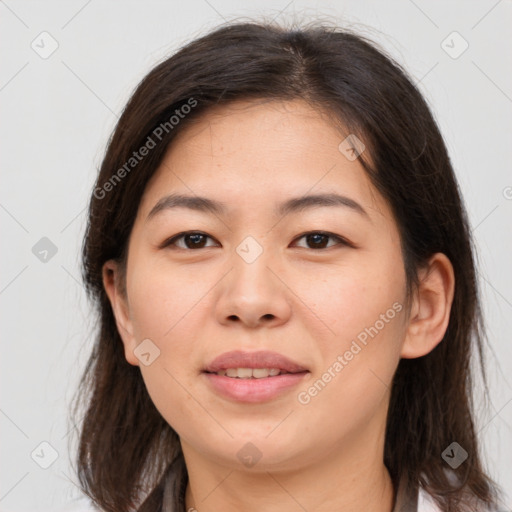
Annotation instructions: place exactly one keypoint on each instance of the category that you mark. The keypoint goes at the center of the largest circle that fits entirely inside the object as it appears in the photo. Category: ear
(430, 309)
(118, 300)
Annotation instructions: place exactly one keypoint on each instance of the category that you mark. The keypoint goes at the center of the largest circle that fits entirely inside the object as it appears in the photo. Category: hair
(126, 447)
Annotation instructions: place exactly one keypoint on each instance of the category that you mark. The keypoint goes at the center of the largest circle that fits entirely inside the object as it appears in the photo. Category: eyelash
(172, 241)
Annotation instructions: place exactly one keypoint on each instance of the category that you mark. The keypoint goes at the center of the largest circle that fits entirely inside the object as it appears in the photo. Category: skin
(304, 302)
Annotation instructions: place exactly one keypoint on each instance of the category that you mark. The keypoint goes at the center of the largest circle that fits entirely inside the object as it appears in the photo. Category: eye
(197, 240)
(319, 239)
(191, 239)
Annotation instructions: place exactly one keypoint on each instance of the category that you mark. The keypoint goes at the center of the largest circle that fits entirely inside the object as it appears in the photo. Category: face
(295, 268)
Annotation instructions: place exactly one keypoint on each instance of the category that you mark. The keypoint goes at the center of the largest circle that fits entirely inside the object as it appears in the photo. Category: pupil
(316, 239)
(195, 238)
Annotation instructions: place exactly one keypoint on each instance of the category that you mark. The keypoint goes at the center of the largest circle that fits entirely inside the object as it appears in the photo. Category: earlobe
(430, 311)
(118, 302)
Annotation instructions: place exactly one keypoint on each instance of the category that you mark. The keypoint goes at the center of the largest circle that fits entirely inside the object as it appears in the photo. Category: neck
(343, 481)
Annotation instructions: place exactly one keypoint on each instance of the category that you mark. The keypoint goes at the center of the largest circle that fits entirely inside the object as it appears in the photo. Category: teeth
(259, 373)
(244, 373)
(248, 373)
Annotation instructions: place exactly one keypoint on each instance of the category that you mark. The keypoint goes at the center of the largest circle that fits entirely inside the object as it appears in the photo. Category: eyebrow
(296, 204)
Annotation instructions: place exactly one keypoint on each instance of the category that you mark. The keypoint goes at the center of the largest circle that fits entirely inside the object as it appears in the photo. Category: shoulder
(82, 504)
(426, 503)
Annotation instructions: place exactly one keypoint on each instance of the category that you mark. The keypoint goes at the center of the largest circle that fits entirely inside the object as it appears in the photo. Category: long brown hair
(125, 445)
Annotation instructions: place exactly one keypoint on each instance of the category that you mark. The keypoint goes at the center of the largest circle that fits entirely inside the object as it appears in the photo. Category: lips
(253, 377)
(253, 360)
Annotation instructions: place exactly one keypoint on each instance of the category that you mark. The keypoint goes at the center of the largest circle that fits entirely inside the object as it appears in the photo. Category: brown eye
(320, 240)
(191, 240)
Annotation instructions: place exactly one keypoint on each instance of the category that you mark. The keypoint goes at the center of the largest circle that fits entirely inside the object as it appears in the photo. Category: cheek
(166, 306)
(162, 309)
(162, 302)
(362, 305)
(348, 389)
(348, 299)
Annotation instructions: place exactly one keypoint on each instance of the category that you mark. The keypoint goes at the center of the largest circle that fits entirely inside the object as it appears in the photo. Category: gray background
(57, 113)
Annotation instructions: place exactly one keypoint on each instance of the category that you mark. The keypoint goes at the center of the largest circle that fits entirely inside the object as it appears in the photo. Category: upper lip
(261, 359)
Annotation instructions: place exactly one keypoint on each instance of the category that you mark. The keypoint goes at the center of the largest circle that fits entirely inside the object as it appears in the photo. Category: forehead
(256, 152)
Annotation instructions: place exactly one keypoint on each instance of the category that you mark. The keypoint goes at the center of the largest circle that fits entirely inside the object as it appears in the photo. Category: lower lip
(254, 390)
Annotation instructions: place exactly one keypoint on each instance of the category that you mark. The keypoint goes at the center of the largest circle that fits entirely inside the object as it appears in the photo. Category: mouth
(253, 376)
(241, 364)
(251, 373)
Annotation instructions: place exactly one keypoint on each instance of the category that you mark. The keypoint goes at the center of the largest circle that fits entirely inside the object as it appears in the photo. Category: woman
(283, 270)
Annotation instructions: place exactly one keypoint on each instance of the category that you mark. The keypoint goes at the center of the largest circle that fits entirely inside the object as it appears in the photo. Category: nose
(254, 295)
